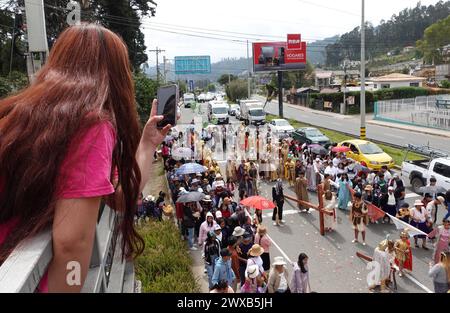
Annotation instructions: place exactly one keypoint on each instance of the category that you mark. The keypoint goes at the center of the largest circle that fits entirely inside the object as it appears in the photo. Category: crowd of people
(233, 240)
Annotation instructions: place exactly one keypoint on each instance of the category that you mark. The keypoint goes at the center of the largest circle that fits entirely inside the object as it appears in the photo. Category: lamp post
(363, 76)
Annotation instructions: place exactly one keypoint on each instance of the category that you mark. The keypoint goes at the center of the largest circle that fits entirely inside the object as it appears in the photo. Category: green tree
(211, 87)
(226, 78)
(435, 37)
(237, 89)
(145, 92)
(5, 87)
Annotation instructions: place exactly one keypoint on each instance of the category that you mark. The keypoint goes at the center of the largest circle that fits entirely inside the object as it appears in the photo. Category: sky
(254, 20)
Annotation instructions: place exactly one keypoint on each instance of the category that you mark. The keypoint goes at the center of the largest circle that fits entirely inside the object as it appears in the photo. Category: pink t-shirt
(85, 172)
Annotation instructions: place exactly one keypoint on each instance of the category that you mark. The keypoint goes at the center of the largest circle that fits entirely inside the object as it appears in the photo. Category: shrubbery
(237, 89)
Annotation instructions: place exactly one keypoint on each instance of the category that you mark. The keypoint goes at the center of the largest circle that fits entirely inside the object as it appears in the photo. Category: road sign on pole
(188, 65)
(191, 85)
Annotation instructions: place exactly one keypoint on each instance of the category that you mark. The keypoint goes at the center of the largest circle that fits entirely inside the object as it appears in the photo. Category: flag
(400, 225)
(375, 213)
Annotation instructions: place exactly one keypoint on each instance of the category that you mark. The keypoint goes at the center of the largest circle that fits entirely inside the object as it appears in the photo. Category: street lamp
(362, 133)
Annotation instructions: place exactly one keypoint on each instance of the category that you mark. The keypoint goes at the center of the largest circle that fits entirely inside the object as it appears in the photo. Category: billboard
(185, 65)
(280, 56)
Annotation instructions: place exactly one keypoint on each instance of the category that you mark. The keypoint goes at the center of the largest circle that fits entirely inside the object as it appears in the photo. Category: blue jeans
(448, 213)
(190, 237)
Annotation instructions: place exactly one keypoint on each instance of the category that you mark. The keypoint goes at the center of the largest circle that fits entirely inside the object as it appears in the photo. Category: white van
(218, 111)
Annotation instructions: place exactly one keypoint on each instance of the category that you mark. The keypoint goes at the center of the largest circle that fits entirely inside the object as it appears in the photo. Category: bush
(237, 89)
(5, 87)
(165, 265)
(445, 84)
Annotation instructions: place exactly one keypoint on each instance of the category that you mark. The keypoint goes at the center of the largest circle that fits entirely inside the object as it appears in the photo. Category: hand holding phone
(168, 98)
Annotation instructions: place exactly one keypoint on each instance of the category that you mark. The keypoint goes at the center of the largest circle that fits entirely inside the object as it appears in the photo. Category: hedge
(371, 97)
(165, 265)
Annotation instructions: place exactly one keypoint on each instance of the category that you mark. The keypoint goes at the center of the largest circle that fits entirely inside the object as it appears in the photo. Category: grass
(165, 266)
(397, 154)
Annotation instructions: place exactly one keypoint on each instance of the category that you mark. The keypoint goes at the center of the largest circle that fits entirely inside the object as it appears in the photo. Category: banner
(375, 213)
(400, 225)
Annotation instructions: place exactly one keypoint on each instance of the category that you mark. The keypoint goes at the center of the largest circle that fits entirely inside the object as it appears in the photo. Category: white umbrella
(181, 153)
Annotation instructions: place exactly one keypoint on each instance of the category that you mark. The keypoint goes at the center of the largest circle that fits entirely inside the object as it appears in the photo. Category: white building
(397, 80)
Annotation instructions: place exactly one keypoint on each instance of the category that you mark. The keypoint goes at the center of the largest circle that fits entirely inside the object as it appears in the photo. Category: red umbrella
(341, 149)
(258, 202)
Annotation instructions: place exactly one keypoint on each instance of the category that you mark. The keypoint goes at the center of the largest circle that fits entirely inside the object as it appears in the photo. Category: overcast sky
(264, 19)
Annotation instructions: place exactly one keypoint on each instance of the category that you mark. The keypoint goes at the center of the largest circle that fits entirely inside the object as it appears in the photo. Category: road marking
(418, 283)
(394, 136)
(411, 195)
(279, 249)
(289, 212)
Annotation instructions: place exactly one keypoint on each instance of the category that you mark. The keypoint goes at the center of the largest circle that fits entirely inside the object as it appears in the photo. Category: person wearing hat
(419, 219)
(223, 270)
(208, 225)
(264, 241)
(278, 277)
(211, 252)
(442, 233)
(218, 232)
(244, 248)
(255, 258)
(388, 204)
(367, 194)
(433, 206)
(254, 283)
(384, 255)
(403, 253)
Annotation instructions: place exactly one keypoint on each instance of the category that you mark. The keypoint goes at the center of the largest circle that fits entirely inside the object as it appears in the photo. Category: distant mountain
(316, 51)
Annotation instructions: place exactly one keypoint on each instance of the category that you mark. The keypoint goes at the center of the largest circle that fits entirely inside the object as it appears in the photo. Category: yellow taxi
(369, 153)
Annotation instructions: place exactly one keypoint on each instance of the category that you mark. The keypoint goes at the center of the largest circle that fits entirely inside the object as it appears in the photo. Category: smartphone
(168, 98)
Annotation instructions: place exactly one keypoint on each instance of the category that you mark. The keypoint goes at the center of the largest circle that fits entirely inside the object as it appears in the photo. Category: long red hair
(86, 80)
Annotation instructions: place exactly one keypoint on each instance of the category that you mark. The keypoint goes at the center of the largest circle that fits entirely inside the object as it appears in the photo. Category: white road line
(411, 195)
(418, 283)
(279, 249)
(289, 212)
(394, 136)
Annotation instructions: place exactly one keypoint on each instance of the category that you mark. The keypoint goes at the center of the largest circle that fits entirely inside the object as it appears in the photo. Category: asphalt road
(351, 126)
(334, 266)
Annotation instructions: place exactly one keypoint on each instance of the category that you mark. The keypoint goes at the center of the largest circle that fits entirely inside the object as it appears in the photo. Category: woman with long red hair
(69, 140)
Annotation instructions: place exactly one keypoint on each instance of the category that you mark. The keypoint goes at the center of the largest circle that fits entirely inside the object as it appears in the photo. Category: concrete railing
(24, 268)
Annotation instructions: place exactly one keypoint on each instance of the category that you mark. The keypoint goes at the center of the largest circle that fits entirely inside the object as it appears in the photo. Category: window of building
(385, 86)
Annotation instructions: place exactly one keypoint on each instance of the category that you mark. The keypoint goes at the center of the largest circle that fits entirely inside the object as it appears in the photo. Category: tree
(145, 92)
(237, 89)
(435, 37)
(226, 78)
(211, 87)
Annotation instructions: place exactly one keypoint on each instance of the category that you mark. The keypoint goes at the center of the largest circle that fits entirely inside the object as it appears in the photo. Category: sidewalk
(198, 267)
(415, 129)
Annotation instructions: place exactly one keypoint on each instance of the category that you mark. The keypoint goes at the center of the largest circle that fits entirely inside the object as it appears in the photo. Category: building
(396, 80)
(323, 79)
(442, 72)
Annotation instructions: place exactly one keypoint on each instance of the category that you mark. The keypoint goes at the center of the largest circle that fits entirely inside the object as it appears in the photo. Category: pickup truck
(419, 172)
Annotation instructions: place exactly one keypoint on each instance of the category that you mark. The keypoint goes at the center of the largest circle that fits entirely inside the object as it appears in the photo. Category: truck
(188, 99)
(218, 111)
(252, 112)
(435, 164)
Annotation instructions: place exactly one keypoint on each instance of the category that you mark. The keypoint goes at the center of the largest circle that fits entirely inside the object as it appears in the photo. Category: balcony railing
(108, 273)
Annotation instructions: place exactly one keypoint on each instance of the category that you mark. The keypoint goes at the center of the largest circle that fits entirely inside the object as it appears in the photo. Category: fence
(420, 111)
(27, 264)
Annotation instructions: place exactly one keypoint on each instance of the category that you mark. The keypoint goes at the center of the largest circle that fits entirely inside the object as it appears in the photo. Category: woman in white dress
(329, 205)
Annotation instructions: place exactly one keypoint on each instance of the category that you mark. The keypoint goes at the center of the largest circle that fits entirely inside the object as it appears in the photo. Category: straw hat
(256, 250)
(207, 198)
(418, 203)
(279, 260)
(167, 210)
(441, 199)
(253, 271)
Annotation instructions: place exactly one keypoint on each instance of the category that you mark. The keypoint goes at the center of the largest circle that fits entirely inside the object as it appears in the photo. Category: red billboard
(280, 56)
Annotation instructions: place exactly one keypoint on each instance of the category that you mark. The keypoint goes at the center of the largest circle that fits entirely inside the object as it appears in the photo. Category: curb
(422, 130)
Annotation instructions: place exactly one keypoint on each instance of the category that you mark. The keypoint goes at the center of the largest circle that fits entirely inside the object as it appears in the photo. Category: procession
(215, 175)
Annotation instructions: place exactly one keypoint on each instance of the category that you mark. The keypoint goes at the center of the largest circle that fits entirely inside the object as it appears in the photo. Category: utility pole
(345, 86)
(363, 75)
(157, 51)
(248, 74)
(12, 43)
(164, 70)
(280, 94)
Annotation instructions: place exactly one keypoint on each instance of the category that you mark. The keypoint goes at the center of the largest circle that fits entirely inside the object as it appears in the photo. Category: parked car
(368, 152)
(280, 127)
(311, 135)
(233, 108)
(419, 172)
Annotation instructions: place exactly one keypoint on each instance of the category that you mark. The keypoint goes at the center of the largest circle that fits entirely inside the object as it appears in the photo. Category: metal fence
(420, 111)
(27, 264)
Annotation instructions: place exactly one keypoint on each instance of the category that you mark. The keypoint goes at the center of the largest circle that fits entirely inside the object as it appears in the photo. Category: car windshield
(220, 110)
(313, 133)
(282, 123)
(257, 112)
(370, 148)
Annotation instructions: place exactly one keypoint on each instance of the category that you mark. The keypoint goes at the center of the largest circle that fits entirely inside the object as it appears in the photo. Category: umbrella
(258, 202)
(317, 149)
(190, 168)
(193, 196)
(340, 149)
(181, 153)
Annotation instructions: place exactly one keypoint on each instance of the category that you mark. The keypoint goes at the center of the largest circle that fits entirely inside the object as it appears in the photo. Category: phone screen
(167, 105)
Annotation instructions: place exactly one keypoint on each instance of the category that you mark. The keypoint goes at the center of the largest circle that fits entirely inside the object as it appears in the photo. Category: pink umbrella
(341, 149)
